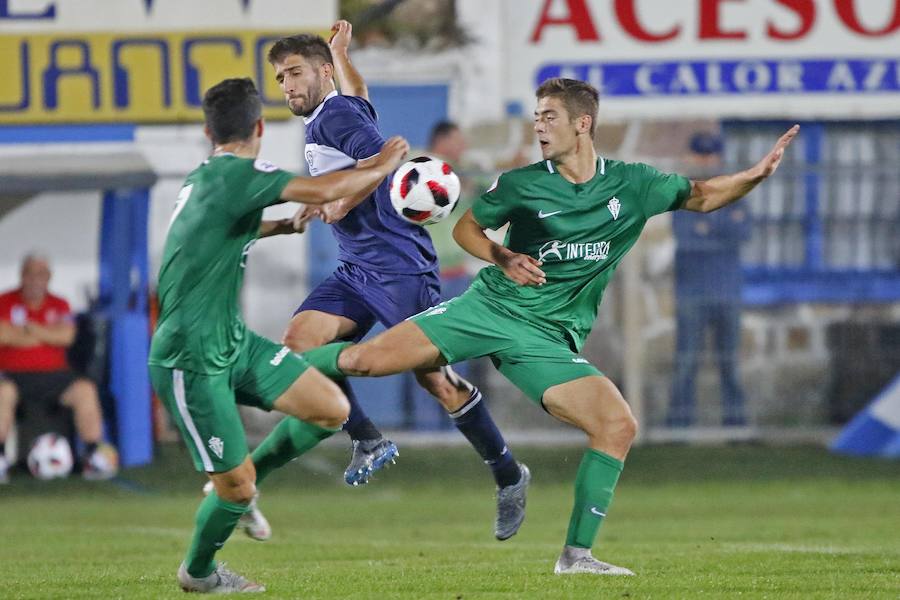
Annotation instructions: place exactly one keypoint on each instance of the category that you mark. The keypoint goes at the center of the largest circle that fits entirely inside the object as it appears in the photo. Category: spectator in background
(708, 292)
(36, 327)
(448, 143)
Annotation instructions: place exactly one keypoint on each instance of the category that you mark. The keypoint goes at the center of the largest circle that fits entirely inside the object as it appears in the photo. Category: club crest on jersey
(614, 205)
(216, 445)
(560, 251)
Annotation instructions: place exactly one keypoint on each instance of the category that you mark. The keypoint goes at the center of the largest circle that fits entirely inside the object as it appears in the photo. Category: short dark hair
(311, 47)
(441, 129)
(579, 98)
(231, 109)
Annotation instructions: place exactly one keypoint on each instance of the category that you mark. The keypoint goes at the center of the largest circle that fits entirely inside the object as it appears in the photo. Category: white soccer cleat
(574, 561)
(253, 522)
(4, 470)
(220, 581)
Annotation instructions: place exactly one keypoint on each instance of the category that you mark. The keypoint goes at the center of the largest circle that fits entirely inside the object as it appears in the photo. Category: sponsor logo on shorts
(580, 361)
(279, 356)
(437, 310)
(216, 445)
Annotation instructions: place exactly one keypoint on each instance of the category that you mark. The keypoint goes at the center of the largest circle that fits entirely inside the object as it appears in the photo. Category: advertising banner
(139, 61)
(718, 58)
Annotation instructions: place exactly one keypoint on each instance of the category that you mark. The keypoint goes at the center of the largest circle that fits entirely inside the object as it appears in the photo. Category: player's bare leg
(594, 405)
(404, 347)
(313, 328)
(318, 401)
(371, 451)
(470, 415)
(316, 408)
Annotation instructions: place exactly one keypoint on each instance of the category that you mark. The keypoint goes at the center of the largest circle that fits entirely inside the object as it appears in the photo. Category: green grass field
(691, 522)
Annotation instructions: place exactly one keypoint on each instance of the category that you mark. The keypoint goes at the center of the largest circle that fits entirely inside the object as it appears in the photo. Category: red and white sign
(781, 58)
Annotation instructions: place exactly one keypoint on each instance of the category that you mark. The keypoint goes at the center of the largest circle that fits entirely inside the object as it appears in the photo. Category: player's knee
(239, 488)
(628, 428)
(442, 388)
(620, 429)
(299, 340)
(434, 382)
(339, 411)
(240, 494)
(616, 427)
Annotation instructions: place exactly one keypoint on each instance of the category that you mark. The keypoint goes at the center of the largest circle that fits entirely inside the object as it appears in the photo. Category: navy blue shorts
(365, 296)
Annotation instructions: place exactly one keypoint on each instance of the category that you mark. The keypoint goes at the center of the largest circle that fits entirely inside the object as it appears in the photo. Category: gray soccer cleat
(220, 581)
(573, 561)
(253, 522)
(511, 506)
(369, 456)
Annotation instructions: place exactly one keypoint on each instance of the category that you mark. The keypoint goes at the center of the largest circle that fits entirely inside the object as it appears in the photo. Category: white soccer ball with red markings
(424, 190)
(50, 457)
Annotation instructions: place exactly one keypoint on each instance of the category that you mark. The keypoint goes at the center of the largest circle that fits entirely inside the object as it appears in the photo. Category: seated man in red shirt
(36, 327)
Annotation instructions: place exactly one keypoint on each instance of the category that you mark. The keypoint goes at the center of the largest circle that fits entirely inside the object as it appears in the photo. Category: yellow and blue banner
(140, 77)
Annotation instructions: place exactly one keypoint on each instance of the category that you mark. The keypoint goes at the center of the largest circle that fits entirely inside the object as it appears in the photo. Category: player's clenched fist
(393, 152)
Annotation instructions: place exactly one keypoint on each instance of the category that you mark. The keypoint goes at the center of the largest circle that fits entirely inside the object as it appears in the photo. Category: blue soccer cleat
(511, 506)
(369, 456)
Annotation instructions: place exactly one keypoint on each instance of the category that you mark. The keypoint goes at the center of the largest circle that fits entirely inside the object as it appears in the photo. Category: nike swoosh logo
(594, 511)
(543, 215)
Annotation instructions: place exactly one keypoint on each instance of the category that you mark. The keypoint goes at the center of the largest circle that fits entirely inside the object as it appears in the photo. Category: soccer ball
(424, 190)
(50, 457)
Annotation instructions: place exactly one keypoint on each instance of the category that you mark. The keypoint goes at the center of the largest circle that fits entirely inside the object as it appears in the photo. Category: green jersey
(215, 222)
(579, 231)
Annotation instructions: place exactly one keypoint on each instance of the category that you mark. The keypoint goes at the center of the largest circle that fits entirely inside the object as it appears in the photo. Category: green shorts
(204, 406)
(532, 357)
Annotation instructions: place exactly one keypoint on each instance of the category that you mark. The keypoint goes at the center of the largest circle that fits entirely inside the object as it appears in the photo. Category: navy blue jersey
(341, 131)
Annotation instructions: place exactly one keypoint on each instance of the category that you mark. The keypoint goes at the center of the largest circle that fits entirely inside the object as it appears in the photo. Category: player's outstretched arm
(337, 210)
(340, 184)
(521, 268)
(712, 194)
(349, 79)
